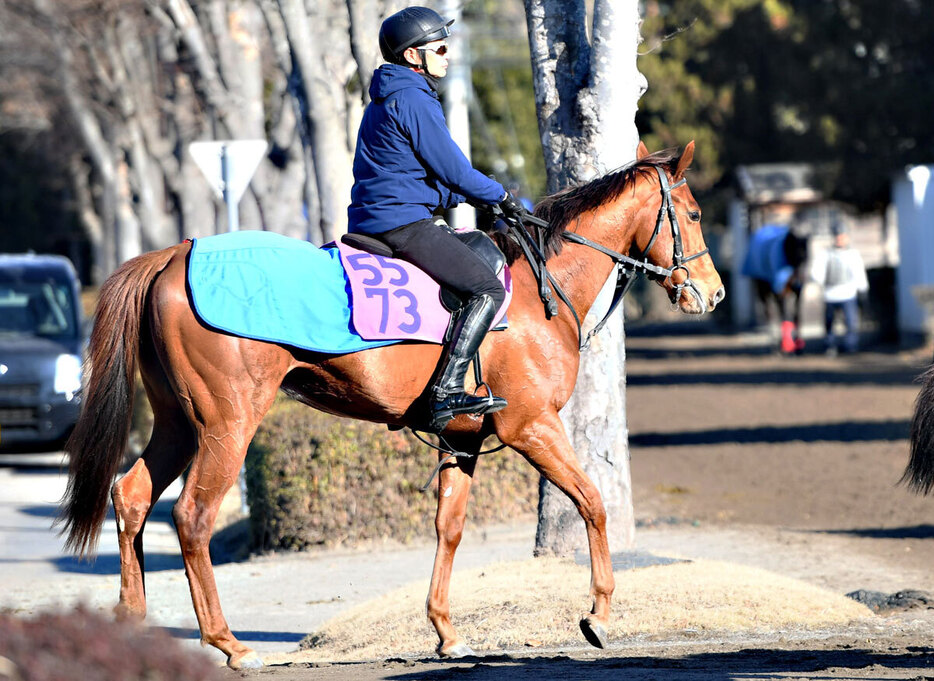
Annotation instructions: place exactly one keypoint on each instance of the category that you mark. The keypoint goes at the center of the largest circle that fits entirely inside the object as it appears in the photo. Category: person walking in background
(842, 274)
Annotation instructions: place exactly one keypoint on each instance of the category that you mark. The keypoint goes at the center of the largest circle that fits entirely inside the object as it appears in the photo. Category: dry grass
(540, 601)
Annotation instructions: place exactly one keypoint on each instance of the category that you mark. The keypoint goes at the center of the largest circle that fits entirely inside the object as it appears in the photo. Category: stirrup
(443, 410)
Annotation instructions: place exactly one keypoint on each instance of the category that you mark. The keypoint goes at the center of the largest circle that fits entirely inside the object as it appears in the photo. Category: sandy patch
(700, 596)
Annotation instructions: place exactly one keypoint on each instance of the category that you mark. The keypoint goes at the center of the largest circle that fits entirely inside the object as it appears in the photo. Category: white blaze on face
(448, 491)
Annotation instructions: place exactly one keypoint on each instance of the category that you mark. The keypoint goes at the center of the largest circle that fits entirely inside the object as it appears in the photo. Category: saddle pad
(393, 299)
(273, 288)
(270, 287)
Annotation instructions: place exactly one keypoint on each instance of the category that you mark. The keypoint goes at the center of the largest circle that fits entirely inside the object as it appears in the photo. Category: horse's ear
(685, 161)
(641, 151)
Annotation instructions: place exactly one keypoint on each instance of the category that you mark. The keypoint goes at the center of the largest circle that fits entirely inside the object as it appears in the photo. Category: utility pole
(456, 92)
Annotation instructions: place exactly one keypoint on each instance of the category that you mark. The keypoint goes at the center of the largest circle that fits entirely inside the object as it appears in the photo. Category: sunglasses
(440, 51)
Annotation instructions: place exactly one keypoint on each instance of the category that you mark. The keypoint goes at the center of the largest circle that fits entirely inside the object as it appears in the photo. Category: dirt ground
(786, 463)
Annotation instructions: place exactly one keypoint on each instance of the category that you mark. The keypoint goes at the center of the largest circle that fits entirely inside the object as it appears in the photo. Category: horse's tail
(919, 474)
(98, 442)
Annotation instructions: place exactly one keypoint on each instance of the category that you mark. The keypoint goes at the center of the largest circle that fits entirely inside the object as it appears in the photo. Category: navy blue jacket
(406, 164)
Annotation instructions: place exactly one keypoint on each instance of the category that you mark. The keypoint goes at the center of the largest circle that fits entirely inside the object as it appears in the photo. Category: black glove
(511, 207)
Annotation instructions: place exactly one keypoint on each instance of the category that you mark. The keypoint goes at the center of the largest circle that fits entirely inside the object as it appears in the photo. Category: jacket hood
(390, 78)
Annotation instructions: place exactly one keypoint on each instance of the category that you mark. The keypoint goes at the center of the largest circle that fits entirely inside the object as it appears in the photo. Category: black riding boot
(448, 398)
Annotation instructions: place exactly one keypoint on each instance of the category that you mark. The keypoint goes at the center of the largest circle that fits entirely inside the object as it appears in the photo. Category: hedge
(316, 479)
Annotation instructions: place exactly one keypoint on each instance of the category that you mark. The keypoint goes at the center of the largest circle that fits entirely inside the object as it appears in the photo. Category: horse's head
(669, 233)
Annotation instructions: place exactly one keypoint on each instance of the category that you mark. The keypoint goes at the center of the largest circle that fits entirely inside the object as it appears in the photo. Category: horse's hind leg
(226, 410)
(169, 450)
(213, 471)
(454, 483)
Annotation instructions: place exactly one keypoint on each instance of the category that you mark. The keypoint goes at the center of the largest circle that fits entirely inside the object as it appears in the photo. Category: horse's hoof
(457, 650)
(594, 632)
(123, 613)
(249, 661)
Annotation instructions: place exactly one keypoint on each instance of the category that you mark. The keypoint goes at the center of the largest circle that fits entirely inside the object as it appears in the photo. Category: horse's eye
(694, 216)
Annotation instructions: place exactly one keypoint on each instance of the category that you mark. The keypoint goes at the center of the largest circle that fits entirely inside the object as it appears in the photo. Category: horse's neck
(582, 271)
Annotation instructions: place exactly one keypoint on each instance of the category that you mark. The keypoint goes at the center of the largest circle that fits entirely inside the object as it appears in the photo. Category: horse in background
(919, 473)
(775, 262)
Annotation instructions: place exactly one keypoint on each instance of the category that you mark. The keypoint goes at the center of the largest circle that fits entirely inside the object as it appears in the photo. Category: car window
(37, 309)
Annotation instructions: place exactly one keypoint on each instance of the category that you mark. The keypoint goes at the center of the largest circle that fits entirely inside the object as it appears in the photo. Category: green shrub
(313, 479)
(83, 645)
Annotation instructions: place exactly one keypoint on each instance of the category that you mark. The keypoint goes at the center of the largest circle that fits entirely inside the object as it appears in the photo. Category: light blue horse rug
(765, 258)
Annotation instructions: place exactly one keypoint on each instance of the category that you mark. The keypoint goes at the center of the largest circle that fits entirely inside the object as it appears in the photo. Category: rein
(626, 266)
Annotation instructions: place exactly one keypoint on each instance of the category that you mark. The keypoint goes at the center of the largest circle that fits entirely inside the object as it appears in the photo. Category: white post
(456, 93)
(913, 196)
(740, 288)
(233, 215)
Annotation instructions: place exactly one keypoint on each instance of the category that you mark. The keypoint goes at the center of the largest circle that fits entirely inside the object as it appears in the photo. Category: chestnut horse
(209, 390)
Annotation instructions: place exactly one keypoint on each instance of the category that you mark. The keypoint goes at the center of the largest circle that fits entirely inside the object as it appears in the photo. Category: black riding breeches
(437, 250)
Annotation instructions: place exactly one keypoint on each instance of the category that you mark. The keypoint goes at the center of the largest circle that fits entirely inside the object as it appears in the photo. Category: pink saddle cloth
(392, 299)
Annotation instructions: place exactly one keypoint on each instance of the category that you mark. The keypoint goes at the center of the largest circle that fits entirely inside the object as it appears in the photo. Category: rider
(405, 168)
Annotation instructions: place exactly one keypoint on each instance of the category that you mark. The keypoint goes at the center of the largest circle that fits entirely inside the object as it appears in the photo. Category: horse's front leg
(453, 489)
(544, 442)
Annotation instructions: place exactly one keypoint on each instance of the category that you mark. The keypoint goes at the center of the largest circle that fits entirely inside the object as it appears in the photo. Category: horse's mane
(560, 208)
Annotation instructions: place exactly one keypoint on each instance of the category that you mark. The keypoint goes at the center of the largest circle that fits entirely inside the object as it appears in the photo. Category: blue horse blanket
(269, 287)
(765, 258)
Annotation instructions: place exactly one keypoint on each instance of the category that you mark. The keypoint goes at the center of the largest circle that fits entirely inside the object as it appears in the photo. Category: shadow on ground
(913, 532)
(243, 635)
(752, 663)
(845, 375)
(845, 431)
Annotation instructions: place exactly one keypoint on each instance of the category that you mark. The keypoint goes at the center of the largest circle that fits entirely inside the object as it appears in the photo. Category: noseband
(677, 260)
(626, 266)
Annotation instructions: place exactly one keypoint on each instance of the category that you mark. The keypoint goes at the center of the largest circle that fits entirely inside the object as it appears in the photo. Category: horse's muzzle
(718, 297)
(698, 303)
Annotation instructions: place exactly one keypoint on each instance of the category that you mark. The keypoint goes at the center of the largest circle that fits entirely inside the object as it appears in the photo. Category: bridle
(626, 267)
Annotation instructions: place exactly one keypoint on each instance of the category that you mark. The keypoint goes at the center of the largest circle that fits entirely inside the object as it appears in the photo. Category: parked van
(41, 349)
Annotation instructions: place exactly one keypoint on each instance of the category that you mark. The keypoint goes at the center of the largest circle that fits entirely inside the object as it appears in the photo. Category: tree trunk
(586, 97)
(192, 35)
(289, 139)
(133, 86)
(100, 154)
(90, 219)
(331, 149)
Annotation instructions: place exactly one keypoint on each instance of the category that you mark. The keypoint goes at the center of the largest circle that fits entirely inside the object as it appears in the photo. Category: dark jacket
(406, 164)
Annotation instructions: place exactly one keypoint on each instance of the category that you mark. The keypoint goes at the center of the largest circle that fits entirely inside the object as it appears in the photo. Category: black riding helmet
(410, 27)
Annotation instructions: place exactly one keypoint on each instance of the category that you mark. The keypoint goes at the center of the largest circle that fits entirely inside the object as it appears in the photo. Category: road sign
(242, 157)
(228, 165)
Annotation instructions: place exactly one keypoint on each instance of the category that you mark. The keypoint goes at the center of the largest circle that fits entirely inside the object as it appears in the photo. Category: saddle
(477, 241)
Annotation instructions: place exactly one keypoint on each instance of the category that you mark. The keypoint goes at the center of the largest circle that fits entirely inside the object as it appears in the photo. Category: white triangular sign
(242, 157)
